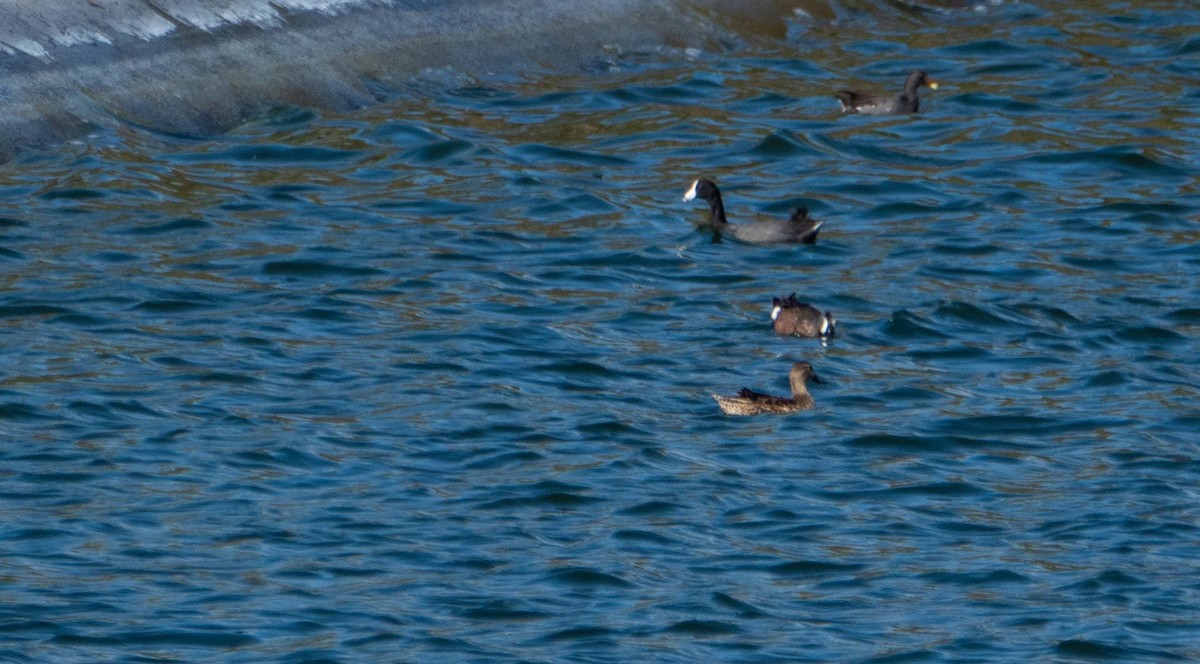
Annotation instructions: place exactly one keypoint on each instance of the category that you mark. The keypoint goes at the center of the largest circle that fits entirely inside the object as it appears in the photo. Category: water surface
(429, 381)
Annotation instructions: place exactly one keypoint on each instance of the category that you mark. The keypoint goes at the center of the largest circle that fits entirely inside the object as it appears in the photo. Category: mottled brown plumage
(791, 317)
(749, 402)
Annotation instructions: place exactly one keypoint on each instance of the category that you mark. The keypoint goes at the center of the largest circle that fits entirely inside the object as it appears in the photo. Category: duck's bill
(933, 85)
(691, 192)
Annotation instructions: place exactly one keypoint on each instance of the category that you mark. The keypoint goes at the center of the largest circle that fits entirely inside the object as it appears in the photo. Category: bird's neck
(799, 388)
(911, 85)
(716, 211)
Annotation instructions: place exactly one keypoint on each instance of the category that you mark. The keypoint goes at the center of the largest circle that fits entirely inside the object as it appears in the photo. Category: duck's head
(919, 78)
(801, 373)
(703, 189)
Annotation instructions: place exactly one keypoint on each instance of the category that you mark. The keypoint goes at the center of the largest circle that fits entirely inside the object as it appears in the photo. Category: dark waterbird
(798, 228)
(907, 102)
(792, 317)
(749, 402)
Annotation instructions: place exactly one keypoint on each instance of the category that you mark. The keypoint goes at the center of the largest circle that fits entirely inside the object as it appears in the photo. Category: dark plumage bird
(749, 402)
(907, 102)
(799, 228)
(791, 317)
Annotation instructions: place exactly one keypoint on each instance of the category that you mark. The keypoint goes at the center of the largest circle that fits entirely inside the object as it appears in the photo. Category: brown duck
(791, 317)
(749, 402)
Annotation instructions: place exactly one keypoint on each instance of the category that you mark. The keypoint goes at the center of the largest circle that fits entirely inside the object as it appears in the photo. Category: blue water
(429, 381)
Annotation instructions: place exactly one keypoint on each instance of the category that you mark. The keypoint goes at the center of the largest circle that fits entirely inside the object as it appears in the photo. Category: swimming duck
(798, 228)
(749, 402)
(907, 102)
(790, 317)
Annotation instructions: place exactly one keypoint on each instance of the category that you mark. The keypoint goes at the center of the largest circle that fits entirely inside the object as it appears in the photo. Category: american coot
(749, 402)
(790, 317)
(907, 102)
(799, 228)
